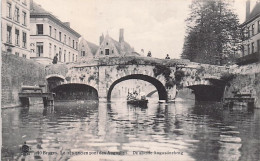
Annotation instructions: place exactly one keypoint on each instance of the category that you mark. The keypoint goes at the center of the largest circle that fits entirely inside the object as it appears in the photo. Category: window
(73, 57)
(69, 56)
(73, 45)
(55, 50)
(107, 43)
(65, 37)
(69, 41)
(39, 29)
(244, 31)
(50, 30)
(101, 52)
(76, 45)
(248, 49)
(76, 57)
(39, 48)
(9, 10)
(55, 31)
(60, 54)
(253, 30)
(60, 36)
(258, 26)
(24, 39)
(107, 51)
(24, 18)
(16, 14)
(16, 53)
(50, 46)
(9, 34)
(82, 53)
(112, 51)
(64, 55)
(258, 46)
(248, 32)
(17, 37)
(24, 56)
(253, 47)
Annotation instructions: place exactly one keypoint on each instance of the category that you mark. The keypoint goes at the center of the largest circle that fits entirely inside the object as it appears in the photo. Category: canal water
(117, 131)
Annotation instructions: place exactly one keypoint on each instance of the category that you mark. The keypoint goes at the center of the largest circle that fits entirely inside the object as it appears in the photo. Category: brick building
(50, 36)
(250, 52)
(15, 27)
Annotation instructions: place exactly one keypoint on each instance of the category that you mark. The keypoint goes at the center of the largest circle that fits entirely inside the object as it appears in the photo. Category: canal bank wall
(15, 72)
(246, 80)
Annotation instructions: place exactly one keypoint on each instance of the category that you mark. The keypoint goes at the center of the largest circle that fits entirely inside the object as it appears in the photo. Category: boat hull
(137, 102)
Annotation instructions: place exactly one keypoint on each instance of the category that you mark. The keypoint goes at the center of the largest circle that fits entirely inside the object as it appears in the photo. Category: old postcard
(128, 80)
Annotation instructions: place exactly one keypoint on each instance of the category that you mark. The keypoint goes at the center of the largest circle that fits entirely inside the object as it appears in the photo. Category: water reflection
(192, 131)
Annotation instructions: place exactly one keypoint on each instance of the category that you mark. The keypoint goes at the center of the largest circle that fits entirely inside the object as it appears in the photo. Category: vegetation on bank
(213, 34)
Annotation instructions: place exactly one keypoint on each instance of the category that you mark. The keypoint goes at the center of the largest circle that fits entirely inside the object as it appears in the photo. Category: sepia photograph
(130, 80)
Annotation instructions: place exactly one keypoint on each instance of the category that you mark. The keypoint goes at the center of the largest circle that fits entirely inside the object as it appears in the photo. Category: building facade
(250, 50)
(50, 36)
(15, 27)
(112, 48)
(87, 50)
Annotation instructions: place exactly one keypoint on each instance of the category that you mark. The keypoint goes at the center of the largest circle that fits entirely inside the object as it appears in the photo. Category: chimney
(101, 39)
(247, 9)
(121, 35)
(31, 5)
(67, 24)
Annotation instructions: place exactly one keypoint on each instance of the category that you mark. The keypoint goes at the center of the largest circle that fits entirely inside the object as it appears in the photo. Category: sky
(153, 25)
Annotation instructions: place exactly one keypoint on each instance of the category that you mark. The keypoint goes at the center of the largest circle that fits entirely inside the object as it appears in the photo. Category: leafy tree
(213, 35)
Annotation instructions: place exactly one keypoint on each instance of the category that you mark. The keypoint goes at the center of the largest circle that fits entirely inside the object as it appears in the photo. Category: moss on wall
(15, 72)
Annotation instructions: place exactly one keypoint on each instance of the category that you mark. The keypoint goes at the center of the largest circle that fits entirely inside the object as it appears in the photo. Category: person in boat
(129, 96)
(135, 94)
(142, 95)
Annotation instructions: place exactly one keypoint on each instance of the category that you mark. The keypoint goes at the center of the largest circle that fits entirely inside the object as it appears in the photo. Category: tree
(213, 35)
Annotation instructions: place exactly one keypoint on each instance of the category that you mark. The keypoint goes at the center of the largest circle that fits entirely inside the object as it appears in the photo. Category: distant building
(50, 36)
(250, 51)
(87, 50)
(112, 48)
(15, 27)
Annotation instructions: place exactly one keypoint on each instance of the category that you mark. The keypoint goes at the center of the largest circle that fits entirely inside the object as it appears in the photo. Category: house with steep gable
(112, 48)
(87, 50)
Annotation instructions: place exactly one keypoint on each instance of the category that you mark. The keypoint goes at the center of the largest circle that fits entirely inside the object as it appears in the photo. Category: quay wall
(15, 72)
(246, 81)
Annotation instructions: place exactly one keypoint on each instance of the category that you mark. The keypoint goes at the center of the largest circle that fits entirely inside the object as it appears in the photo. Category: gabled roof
(254, 14)
(36, 10)
(93, 47)
(125, 47)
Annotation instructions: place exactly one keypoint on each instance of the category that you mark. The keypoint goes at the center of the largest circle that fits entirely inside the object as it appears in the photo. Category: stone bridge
(100, 76)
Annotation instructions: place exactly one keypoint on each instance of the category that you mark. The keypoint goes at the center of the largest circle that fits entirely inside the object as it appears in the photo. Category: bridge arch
(158, 84)
(207, 92)
(75, 91)
(55, 76)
